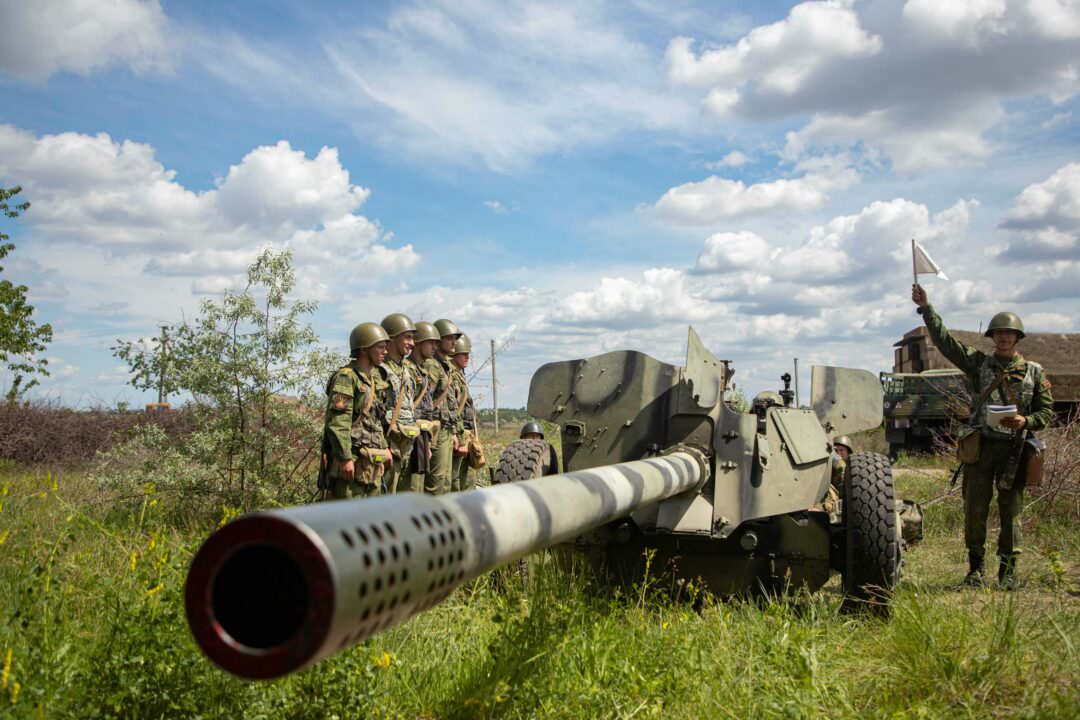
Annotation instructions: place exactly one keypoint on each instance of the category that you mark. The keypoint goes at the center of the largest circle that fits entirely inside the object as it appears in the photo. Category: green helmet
(765, 398)
(463, 345)
(531, 427)
(365, 335)
(396, 323)
(845, 441)
(1005, 321)
(425, 331)
(446, 327)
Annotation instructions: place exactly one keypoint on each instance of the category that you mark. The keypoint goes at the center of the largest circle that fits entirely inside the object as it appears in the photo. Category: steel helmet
(845, 441)
(768, 397)
(446, 327)
(396, 323)
(531, 427)
(425, 331)
(365, 335)
(462, 345)
(1005, 321)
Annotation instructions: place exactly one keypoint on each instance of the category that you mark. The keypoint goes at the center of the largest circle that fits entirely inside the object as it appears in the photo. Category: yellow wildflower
(383, 661)
(4, 536)
(153, 502)
(15, 691)
(4, 491)
(134, 557)
(70, 517)
(7, 669)
(155, 590)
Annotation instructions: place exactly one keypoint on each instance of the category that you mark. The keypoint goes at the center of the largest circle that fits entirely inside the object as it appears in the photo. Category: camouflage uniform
(424, 412)
(401, 431)
(444, 399)
(1025, 386)
(461, 478)
(354, 429)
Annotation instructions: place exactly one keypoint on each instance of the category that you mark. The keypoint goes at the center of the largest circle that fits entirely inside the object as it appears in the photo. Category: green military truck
(922, 409)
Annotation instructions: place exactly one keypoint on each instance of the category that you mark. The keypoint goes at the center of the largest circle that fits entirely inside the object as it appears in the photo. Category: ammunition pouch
(400, 430)
(476, 454)
(436, 426)
(368, 466)
(1030, 470)
(967, 447)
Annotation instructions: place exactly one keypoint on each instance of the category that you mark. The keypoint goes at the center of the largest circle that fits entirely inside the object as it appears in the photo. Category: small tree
(255, 373)
(21, 339)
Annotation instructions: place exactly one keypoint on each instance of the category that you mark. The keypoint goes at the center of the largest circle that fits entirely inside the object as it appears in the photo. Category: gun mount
(653, 457)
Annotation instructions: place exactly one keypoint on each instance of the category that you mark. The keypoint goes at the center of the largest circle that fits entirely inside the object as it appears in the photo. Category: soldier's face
(377, 352)
(404, 343)
(532, 436)
(842, 451)
(461, 360)
(1005, 341)
(447, 343)
(427, 349)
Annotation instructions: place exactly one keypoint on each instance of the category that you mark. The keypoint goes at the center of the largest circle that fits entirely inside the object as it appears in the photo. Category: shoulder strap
(423, 391)
(400, 395)
(370, 400)
(464, 395)
(998, 379)
(442, 395)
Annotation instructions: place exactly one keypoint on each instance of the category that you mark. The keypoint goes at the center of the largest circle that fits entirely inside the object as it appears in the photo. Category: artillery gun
(653, 456)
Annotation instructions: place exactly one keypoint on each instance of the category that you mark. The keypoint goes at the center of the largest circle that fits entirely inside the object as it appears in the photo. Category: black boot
(1007, 579)
(975, 578)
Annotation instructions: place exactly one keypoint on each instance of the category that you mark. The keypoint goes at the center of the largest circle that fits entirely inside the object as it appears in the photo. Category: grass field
(92, 626)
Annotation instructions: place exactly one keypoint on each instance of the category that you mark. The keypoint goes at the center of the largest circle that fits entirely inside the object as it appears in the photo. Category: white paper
(996, 413)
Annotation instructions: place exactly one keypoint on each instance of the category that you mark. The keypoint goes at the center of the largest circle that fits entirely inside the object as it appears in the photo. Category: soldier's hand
(1016, 422)
(918, 295)
(348, 469)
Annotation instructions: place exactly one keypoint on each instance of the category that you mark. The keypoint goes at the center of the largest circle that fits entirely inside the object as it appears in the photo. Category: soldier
(533, 431)
(461, 478)
(353, 430)
(426, 339)
(1007, 378)
(445, 401)
(400, 421)
(842, 449)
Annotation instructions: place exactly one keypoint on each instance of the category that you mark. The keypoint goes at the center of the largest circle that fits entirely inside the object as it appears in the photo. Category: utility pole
(164, 356)
(494, 388)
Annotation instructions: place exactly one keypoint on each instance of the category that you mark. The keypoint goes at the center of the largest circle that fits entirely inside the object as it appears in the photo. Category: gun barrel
(273, 592)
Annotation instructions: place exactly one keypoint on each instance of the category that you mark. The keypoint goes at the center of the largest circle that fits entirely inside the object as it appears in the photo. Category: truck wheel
(872, 565)
(522, 460)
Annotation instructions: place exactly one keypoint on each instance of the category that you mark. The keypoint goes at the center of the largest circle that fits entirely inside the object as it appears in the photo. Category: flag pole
(914, 266)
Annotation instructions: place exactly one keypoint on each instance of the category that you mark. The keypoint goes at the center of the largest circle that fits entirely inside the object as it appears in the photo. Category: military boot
(1007, 579)
(974, 577)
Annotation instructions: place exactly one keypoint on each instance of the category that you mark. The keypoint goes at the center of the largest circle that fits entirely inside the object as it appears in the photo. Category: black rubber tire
(872, 566)
(522, 460)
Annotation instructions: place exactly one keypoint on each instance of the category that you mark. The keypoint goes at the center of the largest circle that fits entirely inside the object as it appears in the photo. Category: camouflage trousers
(462, 477)
(398, 478)
(980, 479)
(437, 480)
(341, 489)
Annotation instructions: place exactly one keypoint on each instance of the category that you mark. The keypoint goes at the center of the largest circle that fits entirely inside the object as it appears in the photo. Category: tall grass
(92, 622)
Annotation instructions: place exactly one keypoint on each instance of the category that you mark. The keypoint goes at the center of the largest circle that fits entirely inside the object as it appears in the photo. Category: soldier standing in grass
(442, 457)
(353, 431)
(426, 340)
(401, 427)
(992, 454)
(461, 478)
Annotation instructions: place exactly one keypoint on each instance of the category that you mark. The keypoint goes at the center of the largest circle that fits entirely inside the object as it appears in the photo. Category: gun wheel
(525, 460)
(872, 566)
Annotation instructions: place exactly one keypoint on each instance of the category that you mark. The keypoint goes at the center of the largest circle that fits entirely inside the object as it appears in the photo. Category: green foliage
(253, 368)
(21, 338)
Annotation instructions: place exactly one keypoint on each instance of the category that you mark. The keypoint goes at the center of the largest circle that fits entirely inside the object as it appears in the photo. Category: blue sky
(567, 178)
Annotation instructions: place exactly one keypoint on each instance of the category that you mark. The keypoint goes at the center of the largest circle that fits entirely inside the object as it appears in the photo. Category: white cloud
(730, 252)
(43, 37)
(923, 83)
(660, 295)
(732, 160)
(1056, 120)
(59, 369)
(1057, 281)
(716, 199)
(1050, 322)
(1044, 219)
(495, 206)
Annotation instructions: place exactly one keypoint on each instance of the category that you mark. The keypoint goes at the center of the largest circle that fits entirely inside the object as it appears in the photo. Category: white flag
(924, 264)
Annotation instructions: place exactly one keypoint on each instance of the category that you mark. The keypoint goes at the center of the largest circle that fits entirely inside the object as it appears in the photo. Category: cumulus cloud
(660, 295)
(1044, 220)
(871, 75)
(43, 37)
(732, 160)
(1058, 281)
(116, 196)
(730, 252)
(717, 199)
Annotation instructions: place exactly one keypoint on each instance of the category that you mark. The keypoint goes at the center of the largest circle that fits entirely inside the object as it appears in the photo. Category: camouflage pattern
(401, 432)
(354, 427)
(462, 477)
(1025, 386)
(445, 401)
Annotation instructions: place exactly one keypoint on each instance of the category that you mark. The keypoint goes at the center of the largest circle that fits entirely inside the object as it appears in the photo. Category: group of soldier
(399, 416)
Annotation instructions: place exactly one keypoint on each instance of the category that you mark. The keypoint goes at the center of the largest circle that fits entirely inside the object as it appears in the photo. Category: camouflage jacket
(424, 394)
(465, 410)
(401, 383)
(353, 411)
(443, 396)
(1025, 382)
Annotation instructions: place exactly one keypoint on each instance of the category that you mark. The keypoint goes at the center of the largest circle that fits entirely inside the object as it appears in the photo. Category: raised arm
(968, 359)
